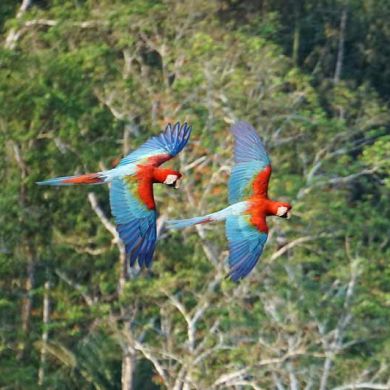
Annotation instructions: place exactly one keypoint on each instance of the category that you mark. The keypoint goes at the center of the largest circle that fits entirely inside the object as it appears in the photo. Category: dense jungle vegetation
(83, 82)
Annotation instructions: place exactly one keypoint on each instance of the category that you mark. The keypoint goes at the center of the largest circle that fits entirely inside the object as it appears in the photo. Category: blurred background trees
(84, 82)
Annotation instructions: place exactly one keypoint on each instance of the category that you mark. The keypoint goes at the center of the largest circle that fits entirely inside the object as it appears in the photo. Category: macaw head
(280, 209)
(169, 177)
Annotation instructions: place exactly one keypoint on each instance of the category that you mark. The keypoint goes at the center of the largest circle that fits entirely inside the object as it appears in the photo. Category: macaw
(246, 227)
(131, 191)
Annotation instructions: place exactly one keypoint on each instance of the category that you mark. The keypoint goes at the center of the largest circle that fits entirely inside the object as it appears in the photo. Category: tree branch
(102, 217)
(295, 243)
(80, 289)
(13, 36)
(337, 180)
(149, 356)
(111, 228)
(363, 385)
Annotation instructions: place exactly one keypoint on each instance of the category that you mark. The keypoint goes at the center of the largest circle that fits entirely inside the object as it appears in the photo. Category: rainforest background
(83, 82)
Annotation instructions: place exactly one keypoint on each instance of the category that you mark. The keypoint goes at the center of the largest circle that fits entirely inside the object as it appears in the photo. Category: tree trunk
(128, 367)
(297, 34)
(340, 51)
(325, 373)
(29, 285)
(28, 252)
(27, 301)
(45, 333)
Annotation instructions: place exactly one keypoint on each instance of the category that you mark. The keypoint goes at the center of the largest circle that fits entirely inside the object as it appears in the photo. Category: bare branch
(190, 323)
(19, 159)
(363, 385)
(107, 101)
(226, 379)
(111, 228)
(292, 377)
(295, 243)
(103, 219)
(153, 359)
(333, 347)
(13, 36)
(208, 248)
(326, 371)
(246, 383)
(277, 381)
(195, 163)
(45, 333)
(335, 181)
(80, 289)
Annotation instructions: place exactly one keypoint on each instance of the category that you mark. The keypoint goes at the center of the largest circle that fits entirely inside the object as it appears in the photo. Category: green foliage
(84, 82)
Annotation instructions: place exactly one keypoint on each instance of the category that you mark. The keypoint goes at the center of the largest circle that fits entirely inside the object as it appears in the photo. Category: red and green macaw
(246, 226)
(131, 191)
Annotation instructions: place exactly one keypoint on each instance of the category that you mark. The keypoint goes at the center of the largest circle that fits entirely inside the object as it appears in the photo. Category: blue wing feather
(246, 245)
(241, 179)
(170, 142)
(248, 145)
(136, 224)
(250, 157)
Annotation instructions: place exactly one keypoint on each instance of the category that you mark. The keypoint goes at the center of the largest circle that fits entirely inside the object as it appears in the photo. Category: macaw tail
(89, 178)
(213, 217)
(183, 223)
(235, 209)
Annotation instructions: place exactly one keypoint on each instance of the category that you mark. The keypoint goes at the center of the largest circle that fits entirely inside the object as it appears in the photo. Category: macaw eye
(170, 179)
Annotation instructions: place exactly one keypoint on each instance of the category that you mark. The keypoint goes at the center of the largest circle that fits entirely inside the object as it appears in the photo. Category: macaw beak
(177, 183)
(286, 215)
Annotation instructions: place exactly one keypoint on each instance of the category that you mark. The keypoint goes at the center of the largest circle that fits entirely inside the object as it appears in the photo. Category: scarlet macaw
(246, 227)
(131, 192)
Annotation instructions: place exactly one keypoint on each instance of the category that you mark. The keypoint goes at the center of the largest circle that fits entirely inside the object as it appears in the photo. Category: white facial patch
(281, 211)
(170, 179)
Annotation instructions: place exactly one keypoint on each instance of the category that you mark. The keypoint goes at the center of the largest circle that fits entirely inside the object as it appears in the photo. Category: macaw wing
(136, 223)
(250, 175)
(160, 148)
(246, 245)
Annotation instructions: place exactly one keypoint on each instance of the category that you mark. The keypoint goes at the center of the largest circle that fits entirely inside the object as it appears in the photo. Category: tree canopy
(84, 82)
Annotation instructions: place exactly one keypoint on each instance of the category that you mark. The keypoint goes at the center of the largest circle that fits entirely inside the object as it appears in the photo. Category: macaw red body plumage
(246, 225)
(131, 191)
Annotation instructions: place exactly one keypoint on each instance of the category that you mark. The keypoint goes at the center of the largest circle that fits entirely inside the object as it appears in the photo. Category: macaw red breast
(260, 183)
(144, 183)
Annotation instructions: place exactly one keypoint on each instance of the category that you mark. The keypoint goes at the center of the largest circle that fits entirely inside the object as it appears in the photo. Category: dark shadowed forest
(84, 82)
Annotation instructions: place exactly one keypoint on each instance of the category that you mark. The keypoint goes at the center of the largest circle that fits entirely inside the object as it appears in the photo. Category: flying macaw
(246, 227)
(131, 191)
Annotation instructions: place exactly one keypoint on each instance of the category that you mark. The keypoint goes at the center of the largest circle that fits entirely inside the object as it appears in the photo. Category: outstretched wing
(250, 175)
(160, 148)
(246, 245)
(136, 222)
